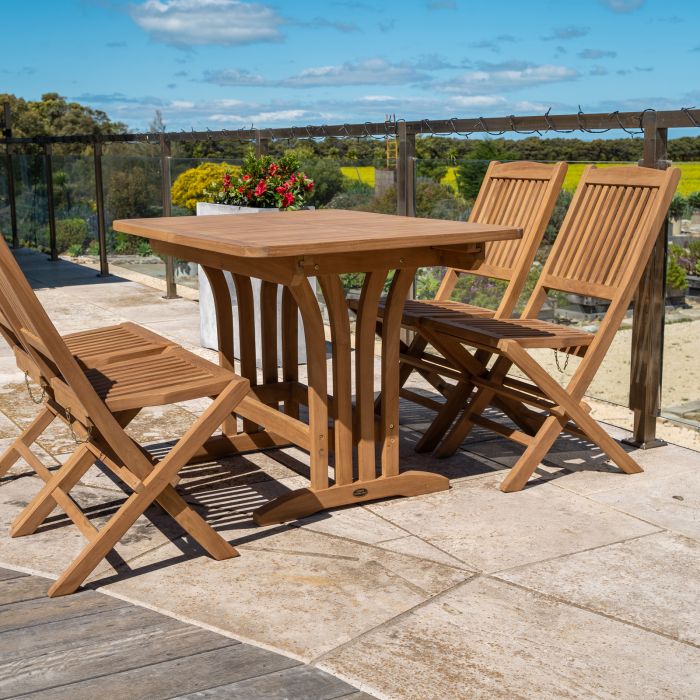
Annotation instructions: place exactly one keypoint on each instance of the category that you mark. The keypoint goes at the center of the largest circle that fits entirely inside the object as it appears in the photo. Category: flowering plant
(264, 182)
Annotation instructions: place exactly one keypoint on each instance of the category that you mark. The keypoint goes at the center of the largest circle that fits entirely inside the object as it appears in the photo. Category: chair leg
(523, 469)
(41, 506)
(27, 438)
(441, 423)
(606, 443)
(153, 486)
(464, 424)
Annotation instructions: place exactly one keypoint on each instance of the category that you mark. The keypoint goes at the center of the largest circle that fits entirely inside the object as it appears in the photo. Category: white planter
(207, 312)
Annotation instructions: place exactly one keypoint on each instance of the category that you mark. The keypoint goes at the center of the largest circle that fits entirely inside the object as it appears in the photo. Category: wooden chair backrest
(521, 194)
(609, 232)
(42, 342)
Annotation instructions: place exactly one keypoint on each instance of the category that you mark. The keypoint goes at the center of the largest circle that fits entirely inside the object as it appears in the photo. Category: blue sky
(227, 64)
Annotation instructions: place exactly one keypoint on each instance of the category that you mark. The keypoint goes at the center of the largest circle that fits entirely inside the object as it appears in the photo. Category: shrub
(328, 181)
(190, 186)
(93, 248)
(693, 200)
(70, 232)
(74, 250)
(471, 172)
(678, 208)
(356, 195)
(560, 209)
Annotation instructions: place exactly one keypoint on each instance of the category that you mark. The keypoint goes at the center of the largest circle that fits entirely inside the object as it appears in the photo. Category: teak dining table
(286, 249)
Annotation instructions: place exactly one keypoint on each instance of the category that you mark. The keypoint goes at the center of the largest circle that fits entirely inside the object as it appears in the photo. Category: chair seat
(156, 380)
(529, 333)
(416, 309)
(114, 343)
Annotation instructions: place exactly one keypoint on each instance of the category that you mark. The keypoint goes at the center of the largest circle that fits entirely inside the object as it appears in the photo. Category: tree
(53, 115)
(157, 125)
(471, 172)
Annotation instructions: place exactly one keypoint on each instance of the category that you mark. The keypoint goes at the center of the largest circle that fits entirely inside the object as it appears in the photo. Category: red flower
(261, 188)
(227, 182)
(293, 179)
(310, 185)
(287, 199)
(281, 189)
(241, 189)
(273, 168)
(246, 177)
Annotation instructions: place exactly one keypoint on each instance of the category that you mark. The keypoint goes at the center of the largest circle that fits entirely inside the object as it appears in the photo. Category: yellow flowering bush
(192, 185)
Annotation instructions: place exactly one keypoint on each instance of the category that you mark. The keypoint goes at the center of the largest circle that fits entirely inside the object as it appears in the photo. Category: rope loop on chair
(31, 393)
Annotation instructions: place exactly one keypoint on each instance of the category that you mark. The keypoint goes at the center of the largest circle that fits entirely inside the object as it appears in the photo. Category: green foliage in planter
(676, 275)
(191, 185)
(679, 207)
(70, 232)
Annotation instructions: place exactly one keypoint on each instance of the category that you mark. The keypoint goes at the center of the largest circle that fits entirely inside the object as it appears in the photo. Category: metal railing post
(165, 154)
(7, 133)
(100, 202)
(406, 172)
(648, 322)
(406, 190)
(50, 205)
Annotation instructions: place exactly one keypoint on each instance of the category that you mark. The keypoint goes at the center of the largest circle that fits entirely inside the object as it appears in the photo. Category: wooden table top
(299, 233)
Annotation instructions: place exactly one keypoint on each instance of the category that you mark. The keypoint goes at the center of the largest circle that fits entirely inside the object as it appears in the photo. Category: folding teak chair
(92, 348)
(99, 403)
(521, 194)
(602, 249)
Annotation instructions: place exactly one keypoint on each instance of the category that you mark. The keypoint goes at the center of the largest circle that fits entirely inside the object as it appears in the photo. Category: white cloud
(623, 5)
(566, 33)
(285, 116)
(372, 71)
(196, 22)
(234, 77)
(482, 82)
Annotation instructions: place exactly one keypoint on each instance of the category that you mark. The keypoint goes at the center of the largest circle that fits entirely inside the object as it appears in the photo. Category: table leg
(320, 496)
(391, 348)
(342, 377)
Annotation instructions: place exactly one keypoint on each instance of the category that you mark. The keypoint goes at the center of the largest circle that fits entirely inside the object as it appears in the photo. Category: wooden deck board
(296, 682)
(89, 645)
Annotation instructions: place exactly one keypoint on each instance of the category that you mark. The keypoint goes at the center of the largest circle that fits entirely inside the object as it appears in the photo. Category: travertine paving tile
(49, 550)
(293, 589)
(487, 639)
(490, 530)
(635, 581)
(672, 502)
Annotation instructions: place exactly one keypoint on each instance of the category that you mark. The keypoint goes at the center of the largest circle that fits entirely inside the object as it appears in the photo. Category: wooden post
(48, 166)
(165, 153)
(7, 133)
(262, 145)
(648, 323)
(100, 203)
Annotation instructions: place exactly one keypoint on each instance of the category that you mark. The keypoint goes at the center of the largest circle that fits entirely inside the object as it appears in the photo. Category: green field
(363, 173)
(690, 176)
